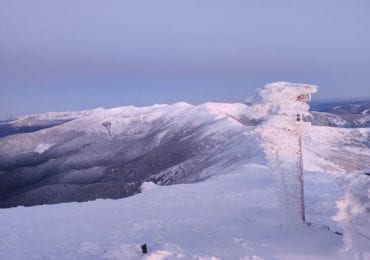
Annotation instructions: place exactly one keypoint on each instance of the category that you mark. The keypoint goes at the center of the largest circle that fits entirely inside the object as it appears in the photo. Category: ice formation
(279, 98)
(277, 106)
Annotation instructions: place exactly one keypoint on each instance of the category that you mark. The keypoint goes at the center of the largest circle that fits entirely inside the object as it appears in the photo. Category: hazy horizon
(77, 55)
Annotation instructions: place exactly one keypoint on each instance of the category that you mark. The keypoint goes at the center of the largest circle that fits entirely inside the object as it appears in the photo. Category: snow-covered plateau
(212, 181)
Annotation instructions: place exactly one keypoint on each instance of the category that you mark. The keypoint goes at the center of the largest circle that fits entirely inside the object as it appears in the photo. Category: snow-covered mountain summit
(109, 153)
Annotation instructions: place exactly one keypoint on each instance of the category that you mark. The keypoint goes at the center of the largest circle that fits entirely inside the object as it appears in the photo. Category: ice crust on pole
(276, 107)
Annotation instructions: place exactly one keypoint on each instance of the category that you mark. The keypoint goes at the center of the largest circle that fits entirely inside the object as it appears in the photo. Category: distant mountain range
(109, 153)
(341, 113)
(342, 107)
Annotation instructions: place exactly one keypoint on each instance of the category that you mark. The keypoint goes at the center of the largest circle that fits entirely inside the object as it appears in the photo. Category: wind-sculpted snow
(326, 149)
(277, 106)
(279, 98)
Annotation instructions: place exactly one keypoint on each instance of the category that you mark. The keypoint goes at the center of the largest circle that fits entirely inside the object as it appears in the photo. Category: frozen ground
(234, 216)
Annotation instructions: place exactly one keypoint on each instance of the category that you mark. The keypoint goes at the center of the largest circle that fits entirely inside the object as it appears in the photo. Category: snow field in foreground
(233, 216)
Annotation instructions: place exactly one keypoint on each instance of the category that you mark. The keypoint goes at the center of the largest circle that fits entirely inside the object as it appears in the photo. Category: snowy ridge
(167, 144)
(221, 162)
(112, 151)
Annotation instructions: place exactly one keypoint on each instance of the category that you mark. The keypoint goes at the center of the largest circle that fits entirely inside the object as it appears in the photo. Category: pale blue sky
(80, 54)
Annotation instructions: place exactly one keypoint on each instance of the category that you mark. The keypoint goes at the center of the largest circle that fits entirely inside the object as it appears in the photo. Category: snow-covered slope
(109, 153)
(233, 216)
(340, 120)
(86, 157)
(337, 150)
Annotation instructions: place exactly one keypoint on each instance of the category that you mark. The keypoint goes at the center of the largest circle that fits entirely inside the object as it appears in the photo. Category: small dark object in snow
(108, 126)
(144, 249)
(367, 173)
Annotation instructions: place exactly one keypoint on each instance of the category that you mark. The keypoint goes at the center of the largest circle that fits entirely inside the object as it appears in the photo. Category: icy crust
(279, 98)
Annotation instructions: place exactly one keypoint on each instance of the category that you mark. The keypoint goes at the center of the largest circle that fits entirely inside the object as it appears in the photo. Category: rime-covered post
(301, 127)
(280, 107)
